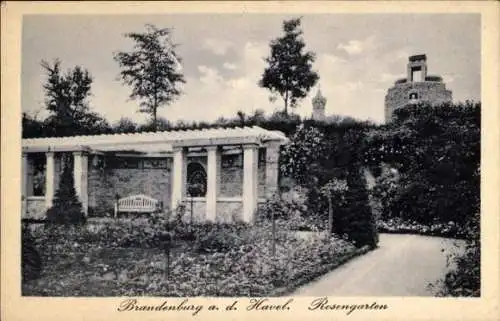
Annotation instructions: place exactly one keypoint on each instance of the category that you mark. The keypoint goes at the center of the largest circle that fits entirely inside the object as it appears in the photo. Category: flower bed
(221, 260)
(449, 229)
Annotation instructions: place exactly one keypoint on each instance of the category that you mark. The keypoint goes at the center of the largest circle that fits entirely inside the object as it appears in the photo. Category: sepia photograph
(269, 156)
(266, 155)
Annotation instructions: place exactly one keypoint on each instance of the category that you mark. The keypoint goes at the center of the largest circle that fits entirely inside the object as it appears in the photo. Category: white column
(49, 179)
(57, 171)
(213, 163)
(178, 177)
(24, 184)
(250, 192)
(80, 174)
(272, 169)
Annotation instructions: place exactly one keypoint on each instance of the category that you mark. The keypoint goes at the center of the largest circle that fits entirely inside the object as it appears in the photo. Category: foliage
(435, 155)
(384, 192)
(161, 124)
(286, 123)
(124, 125)
(66, 93)
(31, 126)
(79, 265)
(289, 72)
(300, 156)
(464, 278)
(400, 226)
(151, 69)
(334, 191)
(221, 238)
(281, 208)
(66, 98)
(31, 261)
(335, 188)
(435, 152)
(66, 208)
(320, 157)
(355, 219)
(289, 213)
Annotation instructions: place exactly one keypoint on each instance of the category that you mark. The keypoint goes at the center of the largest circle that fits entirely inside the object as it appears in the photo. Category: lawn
(129, 258)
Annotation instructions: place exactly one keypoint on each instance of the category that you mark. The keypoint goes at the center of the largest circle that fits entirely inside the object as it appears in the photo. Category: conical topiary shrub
(66, 208)
(356, 219)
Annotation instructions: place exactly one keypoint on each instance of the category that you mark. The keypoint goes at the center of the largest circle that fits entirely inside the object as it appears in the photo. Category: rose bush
(90, 262)
(396, 225)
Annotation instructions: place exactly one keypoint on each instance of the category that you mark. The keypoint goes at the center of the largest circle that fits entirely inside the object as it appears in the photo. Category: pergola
(172, 144)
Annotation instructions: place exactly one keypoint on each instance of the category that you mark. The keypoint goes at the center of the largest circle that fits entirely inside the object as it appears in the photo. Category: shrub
(281, 208)
(66, 209)
(300, 156)
(226, 260)
(384, 193)
(218, 238)
(437, 154)
(290, 212)
(100, 211)
(356, 219)
(464, 279)
(334, 191)
(397, 225)
(141, 232)
(31, 261)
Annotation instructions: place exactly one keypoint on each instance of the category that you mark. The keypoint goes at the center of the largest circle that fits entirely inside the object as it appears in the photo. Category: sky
(358, 57)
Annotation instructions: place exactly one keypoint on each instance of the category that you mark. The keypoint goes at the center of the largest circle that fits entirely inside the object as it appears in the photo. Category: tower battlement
(417, 87)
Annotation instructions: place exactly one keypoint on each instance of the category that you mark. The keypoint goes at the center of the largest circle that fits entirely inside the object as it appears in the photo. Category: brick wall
(104, 184)
(231, 175)
(429, 91)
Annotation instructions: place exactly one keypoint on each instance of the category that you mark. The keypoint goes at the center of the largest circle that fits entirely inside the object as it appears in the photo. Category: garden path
(403, 265)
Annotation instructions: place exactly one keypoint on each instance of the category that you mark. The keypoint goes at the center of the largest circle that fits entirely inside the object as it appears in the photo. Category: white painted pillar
(57, 171)
(80, 174)
(178, 177)
(213, 163)
(272, 169)
(250, 178)
(24, 184)
(49, 179)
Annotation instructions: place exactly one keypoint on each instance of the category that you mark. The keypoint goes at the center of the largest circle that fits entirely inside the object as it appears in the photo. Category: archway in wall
(196, 180)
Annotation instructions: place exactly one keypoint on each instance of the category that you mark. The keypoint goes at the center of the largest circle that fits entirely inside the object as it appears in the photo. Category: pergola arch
(174, 145)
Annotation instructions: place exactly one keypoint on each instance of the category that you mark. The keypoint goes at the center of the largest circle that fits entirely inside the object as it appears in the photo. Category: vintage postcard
(238, 160)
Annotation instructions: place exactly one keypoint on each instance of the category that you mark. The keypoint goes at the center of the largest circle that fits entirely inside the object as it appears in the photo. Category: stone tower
(417, 87)
(319, 103)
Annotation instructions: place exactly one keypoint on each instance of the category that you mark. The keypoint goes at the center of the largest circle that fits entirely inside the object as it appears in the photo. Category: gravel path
(403, 265)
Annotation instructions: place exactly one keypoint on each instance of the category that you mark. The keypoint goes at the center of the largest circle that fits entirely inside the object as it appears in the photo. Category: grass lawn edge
(430, 234)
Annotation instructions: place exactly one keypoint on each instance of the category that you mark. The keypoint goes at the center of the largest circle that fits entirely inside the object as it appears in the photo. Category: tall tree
(152, 69)
(66, 98)
(289, 73)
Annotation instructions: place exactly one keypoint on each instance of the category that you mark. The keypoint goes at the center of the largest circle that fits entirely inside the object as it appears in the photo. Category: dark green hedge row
(435, 152)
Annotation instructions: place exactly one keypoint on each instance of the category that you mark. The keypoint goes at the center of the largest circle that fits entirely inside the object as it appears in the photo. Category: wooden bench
(137, 204)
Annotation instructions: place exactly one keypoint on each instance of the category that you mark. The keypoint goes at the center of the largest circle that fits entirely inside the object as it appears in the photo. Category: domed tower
(417, 87)
(319, 103)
